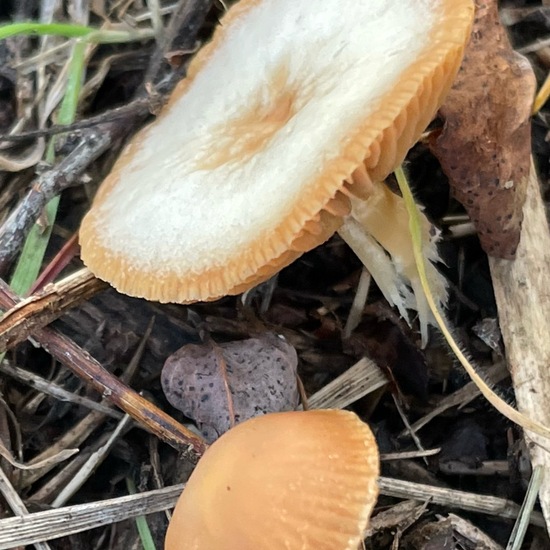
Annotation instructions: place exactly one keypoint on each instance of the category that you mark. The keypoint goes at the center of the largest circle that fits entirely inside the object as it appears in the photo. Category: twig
(461, 397)
(57, 264)
(408, 429)
(138, 108)
(181, 34)
(48, 185)
(145, 413)
(78, 434)
(86, 367)
(39, 310)
(405, 455)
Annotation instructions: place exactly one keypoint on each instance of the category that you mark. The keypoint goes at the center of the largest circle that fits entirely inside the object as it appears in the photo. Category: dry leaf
(218, 385)
(485, 145)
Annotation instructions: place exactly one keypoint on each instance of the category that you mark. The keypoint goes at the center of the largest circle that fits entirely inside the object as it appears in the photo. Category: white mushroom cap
(251, 162)
(293, 481)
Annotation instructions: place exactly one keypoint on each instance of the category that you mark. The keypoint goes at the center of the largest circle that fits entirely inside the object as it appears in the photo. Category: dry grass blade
(54, 390)
(521, 291)
(56, 459)
(461, 397)
(362, 378)
(17, 163)
(16, 504)
(520, 527)
(359, 302)
(62, 522)
(406, 455)
(74, 437)
(472, 502)
(91, 464)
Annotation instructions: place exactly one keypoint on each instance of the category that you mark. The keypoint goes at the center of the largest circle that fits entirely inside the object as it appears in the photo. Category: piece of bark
(522, 295)
(110, 326)
(485, 144)
(40, 309)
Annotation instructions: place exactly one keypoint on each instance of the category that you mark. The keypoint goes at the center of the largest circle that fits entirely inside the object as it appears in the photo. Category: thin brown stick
(181, 36)
(37, 311)
(223, 373)
(49, 184)
(60, 261)
(87, 368)
(138, 107)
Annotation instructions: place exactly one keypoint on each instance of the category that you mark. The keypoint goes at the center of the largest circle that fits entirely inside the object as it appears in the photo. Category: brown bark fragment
(484, 147)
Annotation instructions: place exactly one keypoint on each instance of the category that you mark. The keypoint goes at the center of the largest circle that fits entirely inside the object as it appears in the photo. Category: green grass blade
(69, 30)
(69, 105)
(416, 234)
(31, 258)
(32, 254)
(141, 522)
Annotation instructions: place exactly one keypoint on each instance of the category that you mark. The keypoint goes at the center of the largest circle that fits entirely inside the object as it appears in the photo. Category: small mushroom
(289, 116)
(293, 480)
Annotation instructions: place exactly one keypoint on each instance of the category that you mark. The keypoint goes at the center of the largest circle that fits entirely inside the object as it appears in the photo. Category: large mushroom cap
(295, 480)
(251, 161)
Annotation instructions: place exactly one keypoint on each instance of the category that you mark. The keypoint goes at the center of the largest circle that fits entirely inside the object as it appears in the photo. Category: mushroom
(293, 480)
(287, 119)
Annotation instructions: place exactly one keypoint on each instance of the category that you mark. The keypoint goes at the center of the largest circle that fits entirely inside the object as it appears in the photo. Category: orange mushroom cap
(253, 159)
(293, 480)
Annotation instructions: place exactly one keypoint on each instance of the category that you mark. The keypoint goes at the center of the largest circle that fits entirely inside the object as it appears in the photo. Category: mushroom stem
(377, 231)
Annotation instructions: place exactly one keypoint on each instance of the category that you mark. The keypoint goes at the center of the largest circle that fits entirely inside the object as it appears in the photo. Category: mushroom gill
(292, 114)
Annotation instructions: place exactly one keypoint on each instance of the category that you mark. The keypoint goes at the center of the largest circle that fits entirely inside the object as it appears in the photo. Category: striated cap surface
(294, 480)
